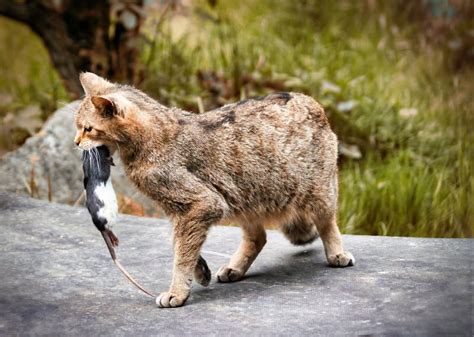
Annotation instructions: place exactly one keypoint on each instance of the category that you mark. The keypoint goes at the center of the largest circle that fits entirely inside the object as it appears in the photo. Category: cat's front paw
(170, 300)
(344, 259)
(227, 274)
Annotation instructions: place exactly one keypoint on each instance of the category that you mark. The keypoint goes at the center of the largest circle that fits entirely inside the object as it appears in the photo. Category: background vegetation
(395, 78)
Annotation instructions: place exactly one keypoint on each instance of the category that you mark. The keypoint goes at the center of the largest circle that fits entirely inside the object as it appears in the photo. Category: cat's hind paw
(344, 259)
(227, 274)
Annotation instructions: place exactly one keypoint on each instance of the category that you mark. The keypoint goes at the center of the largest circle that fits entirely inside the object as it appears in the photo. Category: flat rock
(57, 279)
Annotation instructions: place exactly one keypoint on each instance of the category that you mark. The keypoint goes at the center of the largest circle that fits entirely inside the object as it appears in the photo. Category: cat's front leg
(189, 234)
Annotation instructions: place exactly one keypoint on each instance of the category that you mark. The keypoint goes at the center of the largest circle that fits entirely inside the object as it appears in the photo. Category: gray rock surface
(57, 279)
(53, 155)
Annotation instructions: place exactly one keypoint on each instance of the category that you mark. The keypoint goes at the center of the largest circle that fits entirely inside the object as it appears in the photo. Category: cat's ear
(104, 106)
(93, 84)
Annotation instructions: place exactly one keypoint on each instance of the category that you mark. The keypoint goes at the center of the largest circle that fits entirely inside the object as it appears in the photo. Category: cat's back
(288, 124)
(286, 118)
(259, 150)
(278, 110)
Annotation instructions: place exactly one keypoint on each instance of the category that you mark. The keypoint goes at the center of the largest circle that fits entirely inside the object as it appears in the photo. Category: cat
(269, 159)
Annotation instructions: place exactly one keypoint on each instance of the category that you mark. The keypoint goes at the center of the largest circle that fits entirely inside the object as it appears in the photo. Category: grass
(414, 176)
(404, 196)
(386, 87)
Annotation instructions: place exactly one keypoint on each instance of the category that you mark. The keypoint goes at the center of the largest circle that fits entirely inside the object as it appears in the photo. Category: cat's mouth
(88, 146)
(111, 150)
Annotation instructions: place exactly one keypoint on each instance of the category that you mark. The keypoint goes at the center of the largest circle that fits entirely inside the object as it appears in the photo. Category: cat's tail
(300, 232)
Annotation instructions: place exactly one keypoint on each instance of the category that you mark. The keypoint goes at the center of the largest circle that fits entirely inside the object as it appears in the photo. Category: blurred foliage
(30, 88)
(395, 78)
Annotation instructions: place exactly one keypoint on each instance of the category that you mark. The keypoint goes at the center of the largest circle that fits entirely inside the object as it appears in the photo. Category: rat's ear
(93, 84)
(104, 106)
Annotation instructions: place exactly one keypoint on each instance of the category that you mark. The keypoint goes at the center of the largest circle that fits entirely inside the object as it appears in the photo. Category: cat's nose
(77, 142)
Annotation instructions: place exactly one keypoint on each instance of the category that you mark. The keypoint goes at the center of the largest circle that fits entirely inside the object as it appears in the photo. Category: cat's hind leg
(254, 238)
(324, 217)
(332, 240)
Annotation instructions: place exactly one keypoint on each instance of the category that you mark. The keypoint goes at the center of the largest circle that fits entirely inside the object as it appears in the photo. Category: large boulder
(48, 166)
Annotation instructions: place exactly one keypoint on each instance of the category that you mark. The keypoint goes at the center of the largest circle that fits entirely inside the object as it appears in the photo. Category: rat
(101, 202)
(100, 195)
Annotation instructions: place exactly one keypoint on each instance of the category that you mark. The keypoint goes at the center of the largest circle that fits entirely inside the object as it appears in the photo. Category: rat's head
(105, 113)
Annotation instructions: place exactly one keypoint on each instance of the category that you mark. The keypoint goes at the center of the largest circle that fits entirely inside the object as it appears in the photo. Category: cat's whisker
(94, 154)
(97, 158)
(90, 157)
(93, 157)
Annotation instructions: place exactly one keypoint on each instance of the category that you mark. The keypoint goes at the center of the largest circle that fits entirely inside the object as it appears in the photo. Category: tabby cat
(269, 159)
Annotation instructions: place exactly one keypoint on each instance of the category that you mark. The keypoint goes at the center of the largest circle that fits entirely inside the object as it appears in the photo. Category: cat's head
(105, 112)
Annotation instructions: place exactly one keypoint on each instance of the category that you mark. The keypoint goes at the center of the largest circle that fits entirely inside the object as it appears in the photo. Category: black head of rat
(96, 166)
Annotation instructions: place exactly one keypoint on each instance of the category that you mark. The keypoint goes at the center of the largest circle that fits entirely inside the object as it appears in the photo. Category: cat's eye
(89, 129)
